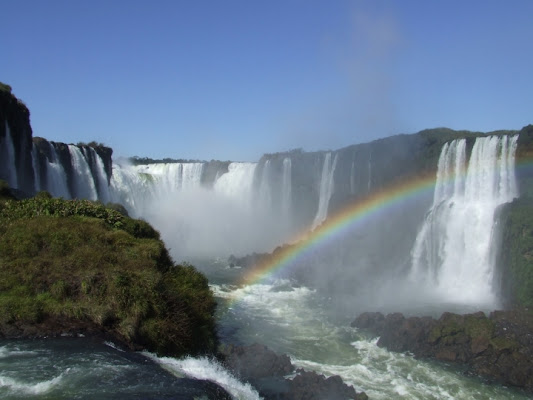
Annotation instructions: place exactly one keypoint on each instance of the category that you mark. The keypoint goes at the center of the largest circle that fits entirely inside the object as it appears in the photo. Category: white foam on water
(207, 369)
(17, 386)
(113, 346)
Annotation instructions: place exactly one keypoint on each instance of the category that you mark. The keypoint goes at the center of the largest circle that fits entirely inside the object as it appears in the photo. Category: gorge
(430, 244)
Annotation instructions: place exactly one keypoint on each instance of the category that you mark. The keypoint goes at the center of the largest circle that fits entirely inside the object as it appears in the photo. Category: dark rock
(267, 372)
(498, 347)
(312, 386)
(256, 361)
(372, 321)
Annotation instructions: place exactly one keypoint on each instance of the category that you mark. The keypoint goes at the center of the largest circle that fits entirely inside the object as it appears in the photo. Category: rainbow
(347, 219)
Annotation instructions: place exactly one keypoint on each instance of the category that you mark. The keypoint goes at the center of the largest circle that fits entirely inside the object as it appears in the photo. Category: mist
(425, 252)
(204, 222)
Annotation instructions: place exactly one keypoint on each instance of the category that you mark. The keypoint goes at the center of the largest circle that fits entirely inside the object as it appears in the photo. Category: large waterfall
(452, 252)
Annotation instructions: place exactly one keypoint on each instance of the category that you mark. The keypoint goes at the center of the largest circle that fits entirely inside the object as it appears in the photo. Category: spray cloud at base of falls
(224, 217)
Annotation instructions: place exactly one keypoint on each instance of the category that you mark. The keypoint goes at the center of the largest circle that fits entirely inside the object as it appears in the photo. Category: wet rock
(256, 361)
(312, 386)
(498, 347)
(275, 377)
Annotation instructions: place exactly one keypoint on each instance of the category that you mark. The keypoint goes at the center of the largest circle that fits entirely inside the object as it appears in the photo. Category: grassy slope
(80, 261)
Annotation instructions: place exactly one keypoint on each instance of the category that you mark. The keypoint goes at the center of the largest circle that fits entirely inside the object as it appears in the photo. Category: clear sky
(234, 79)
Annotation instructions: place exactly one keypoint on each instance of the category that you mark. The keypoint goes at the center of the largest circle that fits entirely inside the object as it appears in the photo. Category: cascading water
(12, 178)
(56, 176)
(83, 179)
(286, 189)
(237, 182)
(170, 178)
(451, 255)
(99, 174)
(36, 172)
(265, 194)
(326, 189)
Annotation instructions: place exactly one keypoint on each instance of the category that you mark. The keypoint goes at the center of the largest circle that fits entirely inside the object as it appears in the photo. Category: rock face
(266, 371)
(15, 121)
(498, 347)
(515, 256)
(29, 163)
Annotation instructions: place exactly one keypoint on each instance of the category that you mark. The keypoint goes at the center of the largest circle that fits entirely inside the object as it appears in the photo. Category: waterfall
(452, 249)
(191, 175)
(326, 189)
(98, 173)
(265, 194)
(286, 189)
(138, 186)
(83, 179)
(56, 176)
(36, 168)
(12, 177)
(236, 184)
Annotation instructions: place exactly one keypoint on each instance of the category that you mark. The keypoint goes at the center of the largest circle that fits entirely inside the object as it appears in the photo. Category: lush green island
(75, 266)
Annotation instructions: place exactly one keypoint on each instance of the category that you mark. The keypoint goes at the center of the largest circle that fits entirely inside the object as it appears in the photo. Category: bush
(5, 87)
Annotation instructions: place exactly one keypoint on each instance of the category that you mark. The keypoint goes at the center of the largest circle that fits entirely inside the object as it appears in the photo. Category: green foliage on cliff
(516, 258)
(83, 262)
(5, 192)
(5, 87)
(135, 160)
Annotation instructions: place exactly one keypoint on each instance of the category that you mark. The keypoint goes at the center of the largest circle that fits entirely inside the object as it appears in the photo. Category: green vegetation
(5, 87)
(135, 160)
(5, 192)
(82, 262)
(92, 144)
(516, 256)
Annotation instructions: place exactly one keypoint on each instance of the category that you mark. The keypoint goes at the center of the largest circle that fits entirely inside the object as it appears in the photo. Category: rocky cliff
(32, 163)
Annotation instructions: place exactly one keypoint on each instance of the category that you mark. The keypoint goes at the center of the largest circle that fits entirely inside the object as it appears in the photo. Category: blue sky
(235, 79)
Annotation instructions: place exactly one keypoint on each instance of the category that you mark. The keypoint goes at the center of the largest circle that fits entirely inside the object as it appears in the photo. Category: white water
(451, 255)
(101, 177)
(295, 321)
(85, 187)
(237, 183)
(208, 369)
(265, 193)
(35, 166)
(16, 386)
(189, 215)
(12, 178)
(56, 177)
(173, 177)
(286, 190)
(326, 189)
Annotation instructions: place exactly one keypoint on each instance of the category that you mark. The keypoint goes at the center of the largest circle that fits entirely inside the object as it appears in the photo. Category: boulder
(498, 347)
